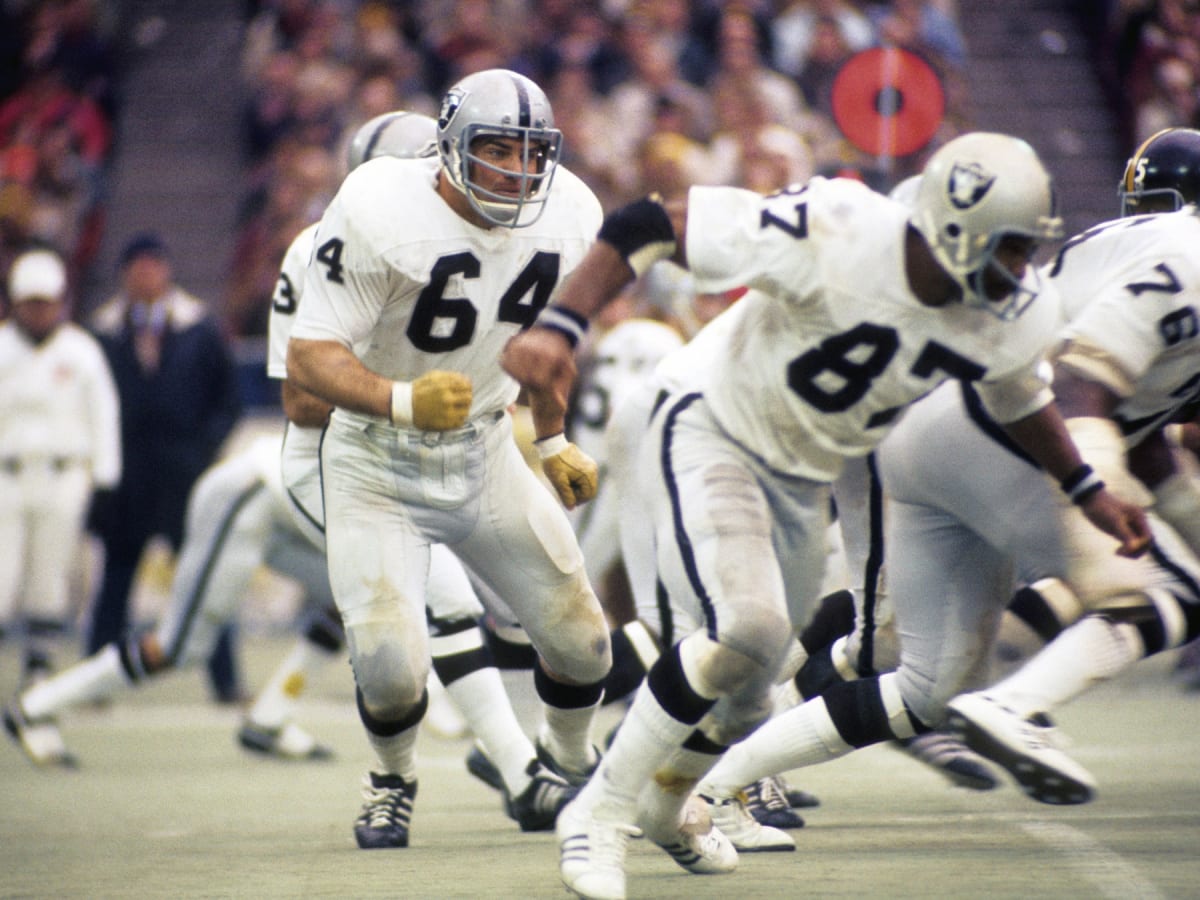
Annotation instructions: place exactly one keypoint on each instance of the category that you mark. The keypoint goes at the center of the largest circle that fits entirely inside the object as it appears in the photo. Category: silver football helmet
(974, 191)
(497, 102)
(400, 133)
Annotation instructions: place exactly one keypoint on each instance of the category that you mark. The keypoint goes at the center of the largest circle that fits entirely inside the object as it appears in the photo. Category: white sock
(276, 702)
(647, 738)
(481, 698)
(397, 753)
(663, 797)
(567, 735)
(802, 736)
(100, 675)
(1091, 651)
(523, 696)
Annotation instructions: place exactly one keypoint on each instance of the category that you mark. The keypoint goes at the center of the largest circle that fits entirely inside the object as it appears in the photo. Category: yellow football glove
(571, 472)
(437, 401)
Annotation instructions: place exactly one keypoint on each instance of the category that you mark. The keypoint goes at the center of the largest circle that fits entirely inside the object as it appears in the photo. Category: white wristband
(551, 446)
(402, 404)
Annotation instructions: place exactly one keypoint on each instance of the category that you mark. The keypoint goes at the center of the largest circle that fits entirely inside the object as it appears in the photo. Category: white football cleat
(39, 739)
(694, 841)
(592, 853)
(1025, 747)
(745, 832)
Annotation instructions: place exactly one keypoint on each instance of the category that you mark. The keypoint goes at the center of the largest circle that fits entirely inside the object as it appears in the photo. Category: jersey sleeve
(1017, 395)
(1144, 307)
(285, 301)
(738, 238)
(1116, 338)
(346, 280)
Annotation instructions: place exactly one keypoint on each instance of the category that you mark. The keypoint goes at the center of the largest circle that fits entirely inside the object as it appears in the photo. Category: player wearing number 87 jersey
(421, 272)
(854, 312)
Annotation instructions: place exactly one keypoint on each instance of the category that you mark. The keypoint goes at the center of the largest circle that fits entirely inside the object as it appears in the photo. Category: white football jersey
(302, 445)
(58, 399)
(688, 368)
(841, 346)
(286, 300)
(621, 361)
(410, 286)
(1130, 290)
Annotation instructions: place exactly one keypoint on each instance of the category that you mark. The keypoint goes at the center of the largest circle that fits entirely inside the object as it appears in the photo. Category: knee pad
(390, 668)
(386, 727)
(735, 716)
(758, 635)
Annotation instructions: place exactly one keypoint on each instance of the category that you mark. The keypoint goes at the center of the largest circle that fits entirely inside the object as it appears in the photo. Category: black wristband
(1082, 484)
(634, 228)
(566, 322)
(1087, 492)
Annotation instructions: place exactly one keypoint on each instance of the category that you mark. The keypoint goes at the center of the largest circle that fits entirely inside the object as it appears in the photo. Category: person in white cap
(59, 439)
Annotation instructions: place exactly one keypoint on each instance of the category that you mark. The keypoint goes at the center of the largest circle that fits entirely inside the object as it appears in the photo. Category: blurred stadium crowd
(651, 94)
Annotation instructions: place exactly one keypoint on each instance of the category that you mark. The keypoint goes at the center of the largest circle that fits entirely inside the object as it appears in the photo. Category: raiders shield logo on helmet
(450, 104)
(968, 184)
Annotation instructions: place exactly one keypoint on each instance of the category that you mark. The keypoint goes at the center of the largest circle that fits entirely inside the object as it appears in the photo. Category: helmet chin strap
(499, 212)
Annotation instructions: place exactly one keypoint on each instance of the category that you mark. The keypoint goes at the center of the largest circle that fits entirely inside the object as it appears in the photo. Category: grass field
(166, 805)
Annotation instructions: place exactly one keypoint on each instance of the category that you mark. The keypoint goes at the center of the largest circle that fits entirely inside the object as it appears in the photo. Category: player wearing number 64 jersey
(855, 311)
(421, 271)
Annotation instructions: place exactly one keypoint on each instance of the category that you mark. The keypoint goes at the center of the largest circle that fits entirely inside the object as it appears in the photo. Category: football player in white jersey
(967, 506)
(1163, 175)
(59, 441)
(421, 272)
(855, 311)
(533, 795)
(1128, 366)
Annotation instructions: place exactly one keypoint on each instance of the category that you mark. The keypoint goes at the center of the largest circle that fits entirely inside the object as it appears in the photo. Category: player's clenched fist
(571, 472)
(437, 401)
(441, 400)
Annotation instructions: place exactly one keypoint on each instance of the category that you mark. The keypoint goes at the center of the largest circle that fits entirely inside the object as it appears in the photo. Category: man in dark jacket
(179, 401)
